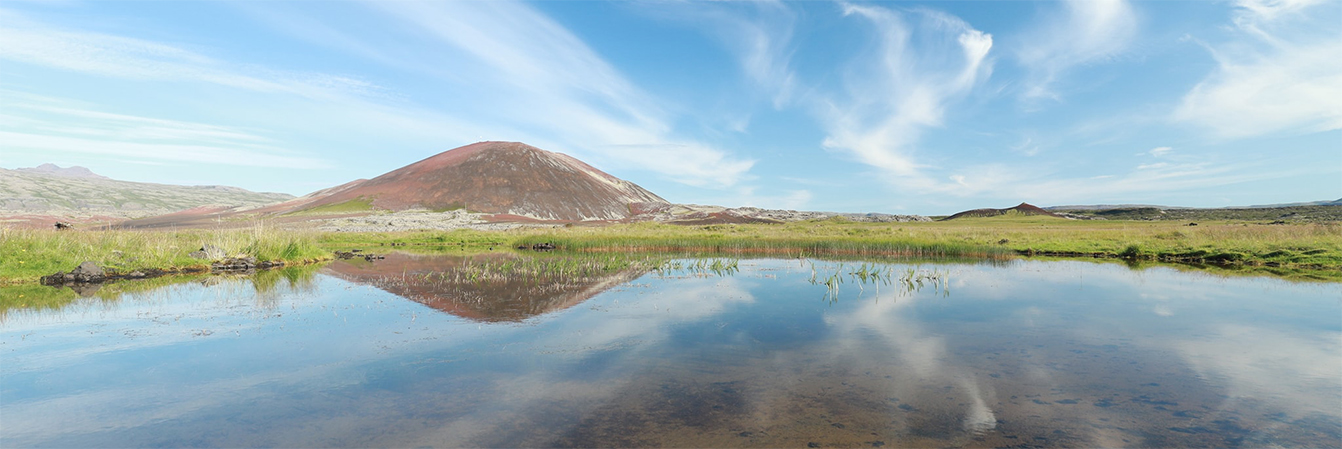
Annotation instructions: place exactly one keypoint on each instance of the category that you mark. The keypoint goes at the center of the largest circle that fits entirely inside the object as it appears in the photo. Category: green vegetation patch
(31, 254)
(360, 204)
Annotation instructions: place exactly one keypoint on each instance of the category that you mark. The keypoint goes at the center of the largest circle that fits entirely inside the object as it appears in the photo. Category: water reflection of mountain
(433, 280)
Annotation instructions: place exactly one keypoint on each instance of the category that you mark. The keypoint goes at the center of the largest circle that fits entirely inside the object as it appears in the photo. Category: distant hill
(1314, 211)
(1337, 202)
(56, 170)
(1022, 209)
(497, 181)
(503, 178)
(47, 192)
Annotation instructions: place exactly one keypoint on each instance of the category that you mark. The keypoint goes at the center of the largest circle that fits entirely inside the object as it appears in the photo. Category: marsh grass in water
(905, 279)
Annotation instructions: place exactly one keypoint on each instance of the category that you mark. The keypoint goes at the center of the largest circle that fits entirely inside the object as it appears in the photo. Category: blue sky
(898, 107)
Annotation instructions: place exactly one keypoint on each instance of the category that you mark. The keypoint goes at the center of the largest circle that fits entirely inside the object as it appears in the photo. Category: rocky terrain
(419, 221)
(47, 193)
(699, 214)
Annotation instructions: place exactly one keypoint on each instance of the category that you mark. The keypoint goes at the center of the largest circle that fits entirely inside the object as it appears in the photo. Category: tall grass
(30, 254)
(826, 238)
(1313, 245)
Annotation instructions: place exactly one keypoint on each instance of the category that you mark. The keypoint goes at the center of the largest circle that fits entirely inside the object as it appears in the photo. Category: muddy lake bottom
(379, 354)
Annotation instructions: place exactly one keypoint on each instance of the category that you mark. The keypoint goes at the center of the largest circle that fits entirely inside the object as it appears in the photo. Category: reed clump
(30, 254)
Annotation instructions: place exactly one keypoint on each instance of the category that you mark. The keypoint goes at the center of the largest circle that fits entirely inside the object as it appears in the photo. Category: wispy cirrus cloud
(544, 77)
(528, 77)
(923, 61)
(759, 34)
(33, 42)
(1082, 32)
(54, 127)
(1280, 72)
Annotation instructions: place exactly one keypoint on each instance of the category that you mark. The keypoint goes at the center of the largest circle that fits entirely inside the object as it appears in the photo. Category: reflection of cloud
(1295, 374)
(919, 350)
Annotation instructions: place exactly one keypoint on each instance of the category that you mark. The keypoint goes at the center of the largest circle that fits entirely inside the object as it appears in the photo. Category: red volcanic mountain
(506, 178)
(1022, 209)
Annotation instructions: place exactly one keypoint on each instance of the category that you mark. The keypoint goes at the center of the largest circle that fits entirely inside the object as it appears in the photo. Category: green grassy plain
(1305, 245)
(1316, 247)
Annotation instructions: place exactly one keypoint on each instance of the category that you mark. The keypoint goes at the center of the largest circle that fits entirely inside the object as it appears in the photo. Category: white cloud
(33, 42)
(52, 126)
(904, 87)
(1270, 85)
(543, 77)
(531, 80)
(758, 33)
(1043, 186)
(1159, 151)
(1084, 32)
(1279, 73)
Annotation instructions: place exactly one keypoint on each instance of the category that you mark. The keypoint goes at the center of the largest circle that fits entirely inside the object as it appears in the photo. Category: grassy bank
(30, 254)
(825, 238)
(1308, 245)
(1304, 246)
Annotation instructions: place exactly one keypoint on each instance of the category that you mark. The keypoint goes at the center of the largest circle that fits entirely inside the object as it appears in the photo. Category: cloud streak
(1270, 76)
(46, 125)
(1084, 32)
(548, 79)
(27, 41)
(924, 60)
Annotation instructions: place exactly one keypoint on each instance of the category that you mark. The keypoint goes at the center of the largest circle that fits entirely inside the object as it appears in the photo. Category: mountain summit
(502, 178)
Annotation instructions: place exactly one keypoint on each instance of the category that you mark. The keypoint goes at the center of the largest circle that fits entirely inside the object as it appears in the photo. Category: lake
(410, 352)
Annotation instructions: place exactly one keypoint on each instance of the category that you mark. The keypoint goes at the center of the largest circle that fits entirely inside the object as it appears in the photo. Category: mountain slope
(503, 178)
(1022, 208)
(75, 192)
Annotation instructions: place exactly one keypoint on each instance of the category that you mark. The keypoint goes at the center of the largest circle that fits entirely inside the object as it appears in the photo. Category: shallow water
(1021, 354)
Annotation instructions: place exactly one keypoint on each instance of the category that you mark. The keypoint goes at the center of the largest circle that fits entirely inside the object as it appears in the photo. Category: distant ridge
(1022, 208)
(70, 172)
(40, 196)
(1336, 202)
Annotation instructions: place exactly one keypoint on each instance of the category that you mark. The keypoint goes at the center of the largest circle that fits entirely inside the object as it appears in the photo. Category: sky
(894, 107)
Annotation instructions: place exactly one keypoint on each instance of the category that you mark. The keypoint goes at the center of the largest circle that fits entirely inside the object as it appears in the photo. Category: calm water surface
(1019, 354)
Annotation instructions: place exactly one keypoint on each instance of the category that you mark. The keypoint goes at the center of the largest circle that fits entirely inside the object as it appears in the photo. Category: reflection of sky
(341, 357)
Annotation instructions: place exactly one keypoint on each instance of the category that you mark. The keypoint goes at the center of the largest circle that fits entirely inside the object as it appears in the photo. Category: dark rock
(235, 264)
(1003, 242)
(61, 226)
(87, 272)
(57, 278)
(1191, 224)
(207, 252)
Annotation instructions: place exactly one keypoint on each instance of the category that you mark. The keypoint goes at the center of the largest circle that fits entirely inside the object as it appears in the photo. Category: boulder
(85, 273)
(208, 252)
